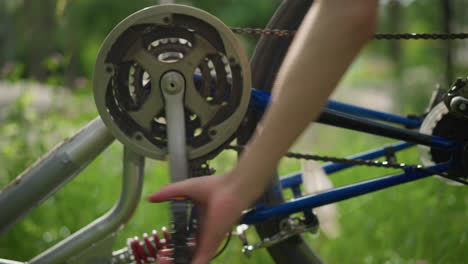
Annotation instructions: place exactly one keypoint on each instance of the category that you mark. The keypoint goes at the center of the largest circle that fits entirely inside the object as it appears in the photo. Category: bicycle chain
(357, 162)
(384, 36)
(362, 162)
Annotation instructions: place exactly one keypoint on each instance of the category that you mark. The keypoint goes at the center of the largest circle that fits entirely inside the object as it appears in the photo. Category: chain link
(423, 36)
(403, 36)
(362, 162)
(261, 31)
(368, 163)
(357, 162)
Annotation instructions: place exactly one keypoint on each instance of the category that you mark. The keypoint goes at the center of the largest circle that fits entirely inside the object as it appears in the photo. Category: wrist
(249, 178)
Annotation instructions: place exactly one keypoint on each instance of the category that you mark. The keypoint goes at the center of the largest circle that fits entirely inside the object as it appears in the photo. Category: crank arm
(173, 88)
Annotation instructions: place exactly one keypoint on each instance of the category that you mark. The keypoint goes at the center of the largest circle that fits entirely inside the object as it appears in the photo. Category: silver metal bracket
(93, 243)
(289, 227)
(459, 105)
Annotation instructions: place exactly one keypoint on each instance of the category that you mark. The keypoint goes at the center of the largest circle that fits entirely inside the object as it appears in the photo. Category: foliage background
(52, 44)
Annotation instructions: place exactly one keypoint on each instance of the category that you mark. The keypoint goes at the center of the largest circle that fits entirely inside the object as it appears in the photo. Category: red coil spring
(151, 248)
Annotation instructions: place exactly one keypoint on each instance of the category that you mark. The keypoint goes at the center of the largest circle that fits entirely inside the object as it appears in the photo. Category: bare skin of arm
(331, 35)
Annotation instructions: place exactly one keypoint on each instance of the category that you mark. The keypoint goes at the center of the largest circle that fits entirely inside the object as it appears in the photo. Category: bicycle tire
(265, 63)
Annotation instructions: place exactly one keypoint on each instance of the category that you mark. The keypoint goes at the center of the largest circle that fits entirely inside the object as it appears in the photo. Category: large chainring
(148, 44)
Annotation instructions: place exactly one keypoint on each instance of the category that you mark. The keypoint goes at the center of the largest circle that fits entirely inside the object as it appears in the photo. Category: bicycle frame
(59, 166)
(56, 168)
(356, 118)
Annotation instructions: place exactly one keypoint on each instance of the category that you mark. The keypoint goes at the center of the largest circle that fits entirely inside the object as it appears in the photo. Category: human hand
(219, 206)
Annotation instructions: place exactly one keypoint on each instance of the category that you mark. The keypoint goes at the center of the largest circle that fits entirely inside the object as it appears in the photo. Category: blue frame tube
(373, 114)
(260, 100)
(296, 178)
(356, 123)
(338, 194)
(335, 118)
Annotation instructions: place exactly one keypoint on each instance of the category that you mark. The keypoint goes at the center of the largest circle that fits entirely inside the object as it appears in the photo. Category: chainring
(178, 38)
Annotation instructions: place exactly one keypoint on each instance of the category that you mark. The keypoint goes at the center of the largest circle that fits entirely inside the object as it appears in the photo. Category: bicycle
(93, 244)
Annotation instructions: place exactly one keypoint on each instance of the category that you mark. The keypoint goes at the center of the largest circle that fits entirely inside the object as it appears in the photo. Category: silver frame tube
(6, 261)
(51, 172)
(99, 230)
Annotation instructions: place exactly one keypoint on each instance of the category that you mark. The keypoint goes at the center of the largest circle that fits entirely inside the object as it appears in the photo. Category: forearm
(330, 37)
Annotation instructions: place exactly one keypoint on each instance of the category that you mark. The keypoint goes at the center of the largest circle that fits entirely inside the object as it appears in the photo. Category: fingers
(196, 188)
(218, 209)
(170, 191)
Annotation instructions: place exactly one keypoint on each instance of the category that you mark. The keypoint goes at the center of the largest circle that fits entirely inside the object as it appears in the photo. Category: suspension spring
(147, 251)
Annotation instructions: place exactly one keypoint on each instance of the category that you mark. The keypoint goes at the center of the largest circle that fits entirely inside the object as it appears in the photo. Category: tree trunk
(395, 50)
(447, 18)
(39, 25)
(7, 47)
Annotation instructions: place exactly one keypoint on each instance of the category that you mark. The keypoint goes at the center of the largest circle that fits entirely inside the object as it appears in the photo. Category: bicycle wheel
(265, 63)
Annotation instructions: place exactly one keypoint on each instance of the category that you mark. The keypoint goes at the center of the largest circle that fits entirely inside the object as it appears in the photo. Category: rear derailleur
(449, 119)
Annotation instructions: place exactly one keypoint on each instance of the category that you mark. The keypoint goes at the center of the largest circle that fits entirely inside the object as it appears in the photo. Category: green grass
(419, 222)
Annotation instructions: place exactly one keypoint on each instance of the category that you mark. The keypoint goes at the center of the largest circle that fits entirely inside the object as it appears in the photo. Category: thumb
(170, 191)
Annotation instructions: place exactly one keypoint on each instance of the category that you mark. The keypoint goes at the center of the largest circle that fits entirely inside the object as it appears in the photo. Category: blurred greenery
(55, 42)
